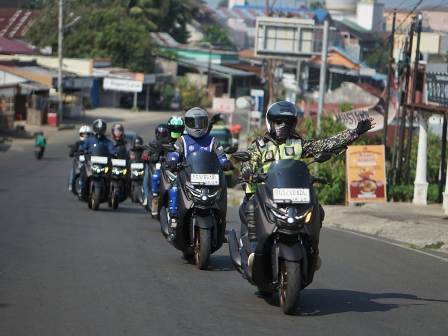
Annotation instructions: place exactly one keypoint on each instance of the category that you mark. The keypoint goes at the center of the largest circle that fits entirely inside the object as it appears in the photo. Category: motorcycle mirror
(322, 157)
(241, 156)
(230, 149)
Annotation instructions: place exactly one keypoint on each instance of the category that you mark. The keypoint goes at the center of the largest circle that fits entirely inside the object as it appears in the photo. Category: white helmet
(196, 122)
(84, 132)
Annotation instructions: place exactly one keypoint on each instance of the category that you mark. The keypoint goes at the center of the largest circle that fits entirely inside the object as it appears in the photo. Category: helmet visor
(196, 122)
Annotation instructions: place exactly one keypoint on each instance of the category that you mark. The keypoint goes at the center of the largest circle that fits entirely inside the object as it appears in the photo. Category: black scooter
(137, 172)
(39, 152)
(95, 176)
(119, 180)
(286, 210)
(198, 229)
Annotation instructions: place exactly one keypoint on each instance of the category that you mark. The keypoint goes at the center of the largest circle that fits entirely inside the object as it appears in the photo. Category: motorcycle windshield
(204, 168)
(99, 149)
(289, 181)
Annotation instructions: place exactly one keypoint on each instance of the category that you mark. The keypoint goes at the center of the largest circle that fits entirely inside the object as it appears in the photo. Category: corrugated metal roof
(11, 47)
(215, 68)
(15, 23)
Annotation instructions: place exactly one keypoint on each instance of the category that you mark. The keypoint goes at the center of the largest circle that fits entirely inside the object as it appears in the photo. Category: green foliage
(344, 107)
(317, 4)
(378, 59)
(333, 170)
(405, 193)
(191, 95)
(217, 35)
(115, 29)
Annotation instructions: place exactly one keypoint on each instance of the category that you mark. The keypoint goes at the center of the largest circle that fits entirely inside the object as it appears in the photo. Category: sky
(389, 3)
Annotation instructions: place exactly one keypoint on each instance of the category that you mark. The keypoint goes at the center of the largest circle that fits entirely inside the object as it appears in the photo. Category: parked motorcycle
(95, 176)
(196, 224)
(286, 209)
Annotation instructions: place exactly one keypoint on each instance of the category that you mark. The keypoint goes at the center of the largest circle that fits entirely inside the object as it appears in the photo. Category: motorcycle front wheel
(115, 195)
(95, 199)
(202, 248)
(290, 285)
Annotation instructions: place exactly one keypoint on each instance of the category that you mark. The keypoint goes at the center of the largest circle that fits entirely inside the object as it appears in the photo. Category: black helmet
(176, 127)
(117, 131)
(281, 119)
(138, 142)
(99, 127)
(162, 133)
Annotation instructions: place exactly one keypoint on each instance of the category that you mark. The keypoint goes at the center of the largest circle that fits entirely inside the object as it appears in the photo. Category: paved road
(66, 270)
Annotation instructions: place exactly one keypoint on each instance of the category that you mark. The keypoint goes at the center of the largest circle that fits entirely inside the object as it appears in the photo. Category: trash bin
(52, 119)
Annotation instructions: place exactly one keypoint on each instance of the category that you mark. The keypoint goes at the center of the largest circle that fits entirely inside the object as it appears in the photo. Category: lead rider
(281, 142)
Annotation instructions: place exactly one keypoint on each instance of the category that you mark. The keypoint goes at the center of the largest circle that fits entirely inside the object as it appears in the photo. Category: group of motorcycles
(100, 178)
(196, 224)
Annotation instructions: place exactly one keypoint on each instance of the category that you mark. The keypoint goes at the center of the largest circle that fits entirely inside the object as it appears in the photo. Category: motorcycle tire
(95, 199)
(114, 201)
(202, 248)
(290, 281)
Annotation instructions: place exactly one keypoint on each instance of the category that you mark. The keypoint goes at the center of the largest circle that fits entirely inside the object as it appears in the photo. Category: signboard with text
(122, 84)
(223, 105)
(366, 174)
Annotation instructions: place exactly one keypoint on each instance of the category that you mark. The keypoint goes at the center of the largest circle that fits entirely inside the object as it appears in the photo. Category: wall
(433, 43)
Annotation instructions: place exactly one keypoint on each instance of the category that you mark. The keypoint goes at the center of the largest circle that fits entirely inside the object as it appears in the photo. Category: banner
(351, 118)
(120, 84)
(223, 105)
(366, 174)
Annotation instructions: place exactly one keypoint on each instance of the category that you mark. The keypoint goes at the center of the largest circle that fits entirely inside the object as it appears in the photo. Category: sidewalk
(409, 224)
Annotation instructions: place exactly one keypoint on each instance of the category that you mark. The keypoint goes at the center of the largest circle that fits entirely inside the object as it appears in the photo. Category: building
(430, 43)
(366, 13)
(435, 19)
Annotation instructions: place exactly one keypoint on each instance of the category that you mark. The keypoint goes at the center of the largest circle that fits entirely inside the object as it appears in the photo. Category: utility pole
(323, 74)
(60, 40)
(389, 79)
(414, 90)
(269, 64)
(397, 175)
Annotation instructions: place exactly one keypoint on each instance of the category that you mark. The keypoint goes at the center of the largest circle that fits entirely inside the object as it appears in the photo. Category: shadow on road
(220, 263)
(321, 302)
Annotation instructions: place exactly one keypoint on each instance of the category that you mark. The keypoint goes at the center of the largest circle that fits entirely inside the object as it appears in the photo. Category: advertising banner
(366, 174)
(120, 84)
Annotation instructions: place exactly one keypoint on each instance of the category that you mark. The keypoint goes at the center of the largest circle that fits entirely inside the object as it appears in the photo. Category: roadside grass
(435, 246)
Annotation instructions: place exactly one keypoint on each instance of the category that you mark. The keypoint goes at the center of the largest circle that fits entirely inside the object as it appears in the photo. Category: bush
(191, 95)
(405, 193)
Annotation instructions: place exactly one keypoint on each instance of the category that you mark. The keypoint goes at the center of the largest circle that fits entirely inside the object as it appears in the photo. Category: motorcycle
(286, 211)
(118, 185)
(137, 173)
(39, 152)
(94, 177)
(78, 164)
(198, 228)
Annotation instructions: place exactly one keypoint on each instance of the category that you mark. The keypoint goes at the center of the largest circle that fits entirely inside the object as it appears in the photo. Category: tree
(106, 32)
(378, 59)
(217, 35)
(317, 4)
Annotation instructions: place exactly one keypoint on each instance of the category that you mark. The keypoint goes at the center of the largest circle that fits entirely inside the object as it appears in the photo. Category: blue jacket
(88, 144)
(186, 145)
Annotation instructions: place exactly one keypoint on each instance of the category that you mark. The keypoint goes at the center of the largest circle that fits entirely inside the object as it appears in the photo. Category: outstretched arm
(336, 142)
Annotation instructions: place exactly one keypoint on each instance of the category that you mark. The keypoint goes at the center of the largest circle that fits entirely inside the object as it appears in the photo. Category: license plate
(118, 163)
(294, 195)
(137, 165)
(205, 179)
(82, 158)
(99, 159)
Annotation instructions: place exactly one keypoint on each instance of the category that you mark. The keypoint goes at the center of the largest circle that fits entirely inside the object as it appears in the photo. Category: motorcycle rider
(282, 142)
(165, 134)
(84, 132)
(99, 127)
(120, 143)
(197, 139)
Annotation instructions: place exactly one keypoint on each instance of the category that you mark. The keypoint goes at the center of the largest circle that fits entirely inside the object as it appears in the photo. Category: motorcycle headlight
(115, 171)
(97, 168)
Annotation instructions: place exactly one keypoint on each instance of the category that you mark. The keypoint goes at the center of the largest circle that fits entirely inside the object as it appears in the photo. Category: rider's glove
(363, 126)
(246, 173)
(227, 165)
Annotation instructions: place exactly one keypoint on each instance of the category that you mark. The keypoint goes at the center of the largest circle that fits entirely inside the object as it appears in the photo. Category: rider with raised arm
(282, 142)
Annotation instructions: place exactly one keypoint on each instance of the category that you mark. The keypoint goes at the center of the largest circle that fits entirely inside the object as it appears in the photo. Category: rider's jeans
(71, 178)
